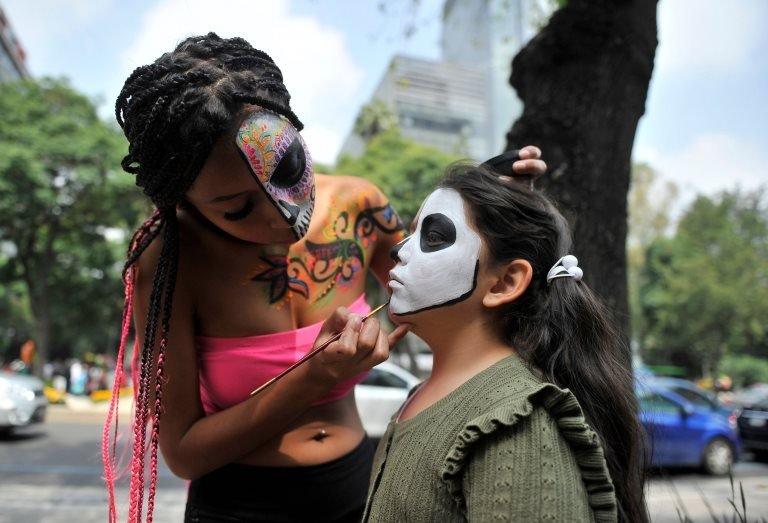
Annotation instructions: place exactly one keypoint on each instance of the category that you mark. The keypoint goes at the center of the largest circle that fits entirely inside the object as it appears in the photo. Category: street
(52, 474)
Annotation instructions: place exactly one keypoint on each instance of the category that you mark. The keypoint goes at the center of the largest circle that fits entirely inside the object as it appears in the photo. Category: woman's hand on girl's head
(529, 167)
(362, 346)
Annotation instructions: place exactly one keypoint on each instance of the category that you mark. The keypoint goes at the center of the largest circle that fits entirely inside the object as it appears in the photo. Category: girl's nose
(394, 252)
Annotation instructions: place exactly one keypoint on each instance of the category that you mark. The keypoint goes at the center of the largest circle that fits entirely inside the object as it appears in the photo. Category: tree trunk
(583, 81)
(42, 330)
(35, 273)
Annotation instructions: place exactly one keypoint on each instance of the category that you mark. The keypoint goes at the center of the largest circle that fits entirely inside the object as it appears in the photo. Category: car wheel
(718, 457)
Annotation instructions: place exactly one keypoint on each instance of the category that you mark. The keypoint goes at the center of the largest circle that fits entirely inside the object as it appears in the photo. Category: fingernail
(357, 322)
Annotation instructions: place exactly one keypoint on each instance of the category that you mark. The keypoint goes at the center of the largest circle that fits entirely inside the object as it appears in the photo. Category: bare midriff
(322, 434)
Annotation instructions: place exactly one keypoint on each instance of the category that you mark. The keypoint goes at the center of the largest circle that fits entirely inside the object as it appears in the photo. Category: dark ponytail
(562, 327)
(172, 111)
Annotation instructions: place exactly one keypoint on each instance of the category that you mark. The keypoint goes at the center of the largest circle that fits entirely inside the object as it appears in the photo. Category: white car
(380, 394)
(22, 401)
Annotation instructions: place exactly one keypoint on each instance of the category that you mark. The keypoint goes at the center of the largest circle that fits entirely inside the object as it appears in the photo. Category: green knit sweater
(504, 446)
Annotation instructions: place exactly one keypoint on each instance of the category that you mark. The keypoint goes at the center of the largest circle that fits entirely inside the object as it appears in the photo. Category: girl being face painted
(262, 188)
(438, 264)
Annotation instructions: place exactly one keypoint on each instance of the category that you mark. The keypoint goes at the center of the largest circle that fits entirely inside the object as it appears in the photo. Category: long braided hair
(172, 111)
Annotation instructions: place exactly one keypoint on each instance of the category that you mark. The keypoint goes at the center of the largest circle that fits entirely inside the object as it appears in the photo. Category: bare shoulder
(147, 264)
(351, 186)
(149, 259)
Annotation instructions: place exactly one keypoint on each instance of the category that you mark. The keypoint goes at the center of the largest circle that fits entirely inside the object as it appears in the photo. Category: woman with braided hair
(248, 262)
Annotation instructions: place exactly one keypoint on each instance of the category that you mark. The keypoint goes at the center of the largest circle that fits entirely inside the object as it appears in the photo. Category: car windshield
(700, 399)
(653, 403)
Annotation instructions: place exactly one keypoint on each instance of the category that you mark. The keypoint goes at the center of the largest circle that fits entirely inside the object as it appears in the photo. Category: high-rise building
(464, 103)
(487, 34)
(436, 104)
(12, 56)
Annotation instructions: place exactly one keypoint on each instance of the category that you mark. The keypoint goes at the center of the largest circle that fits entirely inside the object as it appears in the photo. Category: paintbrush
(314, 352)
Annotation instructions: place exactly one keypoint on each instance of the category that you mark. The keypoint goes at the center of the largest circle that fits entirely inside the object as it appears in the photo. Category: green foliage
(744, 370)
(61, 192)
(374, 118)
(15, 316)
(704, 291)
(649, 202)
(406, 171)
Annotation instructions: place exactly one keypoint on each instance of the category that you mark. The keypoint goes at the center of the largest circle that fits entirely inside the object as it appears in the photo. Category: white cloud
(323, 143)
(709, 34)
(708, 164)
(317, 68)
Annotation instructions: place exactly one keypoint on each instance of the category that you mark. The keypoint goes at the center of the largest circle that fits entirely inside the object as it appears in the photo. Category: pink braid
(107, 456)
(136, 489)
(141, 418)
(140, 397)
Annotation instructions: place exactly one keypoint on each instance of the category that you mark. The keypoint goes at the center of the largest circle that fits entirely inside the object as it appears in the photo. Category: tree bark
(35, 272)
(42, 330)
(583, 81)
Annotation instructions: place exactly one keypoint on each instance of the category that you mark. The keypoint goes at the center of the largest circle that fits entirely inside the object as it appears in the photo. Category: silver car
(380, 395)
(22, 401)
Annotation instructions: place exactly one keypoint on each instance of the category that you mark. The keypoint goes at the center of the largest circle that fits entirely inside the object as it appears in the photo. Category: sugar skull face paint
(280, 162)
(437, 264)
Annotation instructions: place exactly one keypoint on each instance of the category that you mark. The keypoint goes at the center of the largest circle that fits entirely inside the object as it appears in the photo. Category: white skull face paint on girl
(438, 263)
(280, 162)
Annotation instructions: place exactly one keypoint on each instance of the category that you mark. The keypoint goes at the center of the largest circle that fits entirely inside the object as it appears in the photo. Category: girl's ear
(513, 280)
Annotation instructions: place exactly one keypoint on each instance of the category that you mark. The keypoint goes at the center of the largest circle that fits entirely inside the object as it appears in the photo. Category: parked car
(380, 395)
(22, 401)
(694, 394)
(686, 430)
(753, 426)
(751, 395)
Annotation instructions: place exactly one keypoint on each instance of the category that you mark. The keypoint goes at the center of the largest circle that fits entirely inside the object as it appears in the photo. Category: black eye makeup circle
(291, 167)
(438, 232)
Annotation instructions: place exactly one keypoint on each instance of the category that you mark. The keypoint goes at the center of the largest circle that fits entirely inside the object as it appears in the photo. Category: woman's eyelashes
(241, 213)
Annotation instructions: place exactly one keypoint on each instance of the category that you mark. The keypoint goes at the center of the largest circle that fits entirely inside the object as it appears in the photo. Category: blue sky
(705, 123)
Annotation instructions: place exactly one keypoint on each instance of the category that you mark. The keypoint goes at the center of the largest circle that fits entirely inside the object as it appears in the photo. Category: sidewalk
(81, 409)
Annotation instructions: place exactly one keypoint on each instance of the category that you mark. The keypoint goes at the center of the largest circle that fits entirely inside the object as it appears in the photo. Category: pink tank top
(230, 368)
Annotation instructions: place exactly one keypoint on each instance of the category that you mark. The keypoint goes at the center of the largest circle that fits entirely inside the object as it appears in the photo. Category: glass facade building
(464, 103)
(12, 57)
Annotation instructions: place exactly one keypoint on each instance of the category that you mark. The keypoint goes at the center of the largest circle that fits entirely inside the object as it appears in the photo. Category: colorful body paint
(336, 253)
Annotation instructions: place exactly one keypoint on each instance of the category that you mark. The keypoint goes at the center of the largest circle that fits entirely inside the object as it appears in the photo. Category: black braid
(268, 104)
(159, 286)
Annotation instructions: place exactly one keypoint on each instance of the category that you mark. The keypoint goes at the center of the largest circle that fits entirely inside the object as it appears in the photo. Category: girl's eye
(434, 238)
(240, 214)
